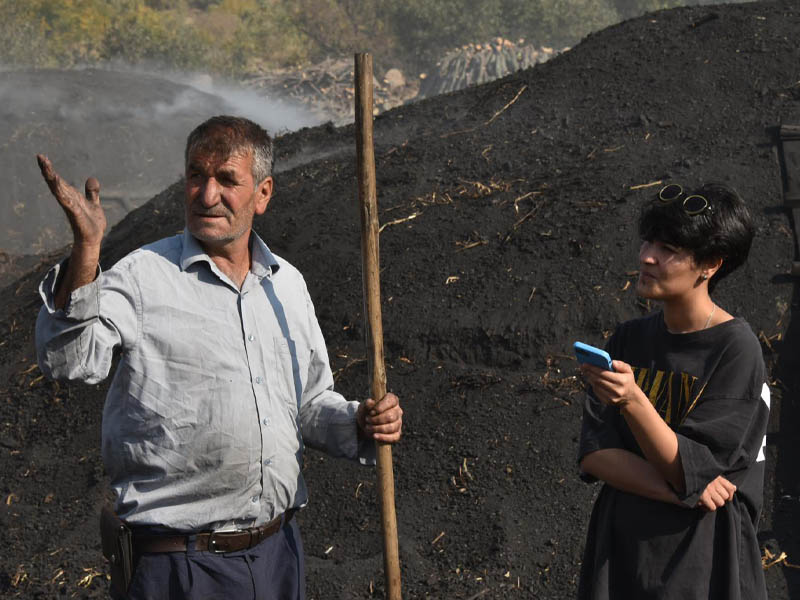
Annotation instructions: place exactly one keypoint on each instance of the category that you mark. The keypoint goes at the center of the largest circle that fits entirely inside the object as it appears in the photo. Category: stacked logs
(473, 64)
(326, 88)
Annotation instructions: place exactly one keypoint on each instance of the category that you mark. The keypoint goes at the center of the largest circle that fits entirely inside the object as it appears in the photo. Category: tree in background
(425, 29)
(234, 37)
(141, 34)
(52, 32)
(22, 35)
(633, 8)
(265, 36)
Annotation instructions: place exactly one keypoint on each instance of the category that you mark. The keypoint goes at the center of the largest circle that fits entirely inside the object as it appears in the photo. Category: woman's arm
(630, 473)
(658, 442)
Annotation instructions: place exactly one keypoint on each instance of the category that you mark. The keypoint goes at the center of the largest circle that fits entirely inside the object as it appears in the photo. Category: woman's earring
(705, 276)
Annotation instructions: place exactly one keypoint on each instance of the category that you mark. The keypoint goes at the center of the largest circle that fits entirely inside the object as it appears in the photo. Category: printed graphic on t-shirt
(765, 398)
(673, 395)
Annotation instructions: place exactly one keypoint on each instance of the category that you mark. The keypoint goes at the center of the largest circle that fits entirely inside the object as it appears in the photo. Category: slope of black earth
(509, 232)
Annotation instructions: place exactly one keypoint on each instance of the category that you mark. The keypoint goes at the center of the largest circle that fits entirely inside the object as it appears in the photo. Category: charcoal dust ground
(508, 215)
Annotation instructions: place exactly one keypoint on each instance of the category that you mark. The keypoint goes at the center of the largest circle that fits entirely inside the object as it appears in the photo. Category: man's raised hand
(85, 215)
(88, 222)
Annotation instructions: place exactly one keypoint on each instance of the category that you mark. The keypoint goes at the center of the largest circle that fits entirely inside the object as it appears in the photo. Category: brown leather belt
(210, 541)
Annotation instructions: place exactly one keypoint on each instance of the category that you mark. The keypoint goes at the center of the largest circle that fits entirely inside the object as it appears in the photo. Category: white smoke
(275, 115)
(127, 127)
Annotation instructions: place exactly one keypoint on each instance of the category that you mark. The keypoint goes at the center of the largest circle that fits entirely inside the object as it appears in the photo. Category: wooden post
(368, 208)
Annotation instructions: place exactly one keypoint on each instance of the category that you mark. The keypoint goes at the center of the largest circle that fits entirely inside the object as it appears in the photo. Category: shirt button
(254, 499)
(268, 462)
(251, 337)
(265, 422)
(258, 379)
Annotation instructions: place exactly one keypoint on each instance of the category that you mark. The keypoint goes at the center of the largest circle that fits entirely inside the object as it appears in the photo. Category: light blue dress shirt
(217, 388)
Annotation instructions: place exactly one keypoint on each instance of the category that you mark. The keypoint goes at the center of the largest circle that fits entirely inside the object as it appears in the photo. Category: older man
(223, 377)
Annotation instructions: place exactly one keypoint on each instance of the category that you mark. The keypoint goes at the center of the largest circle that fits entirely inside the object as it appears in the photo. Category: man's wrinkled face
(222, 198)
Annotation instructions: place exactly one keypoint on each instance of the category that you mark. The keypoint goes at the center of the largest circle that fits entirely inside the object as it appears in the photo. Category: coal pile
(508, 217)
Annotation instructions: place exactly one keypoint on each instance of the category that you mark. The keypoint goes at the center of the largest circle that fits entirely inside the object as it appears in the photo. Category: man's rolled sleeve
(335, 425)
(327, 420)
(77, 342)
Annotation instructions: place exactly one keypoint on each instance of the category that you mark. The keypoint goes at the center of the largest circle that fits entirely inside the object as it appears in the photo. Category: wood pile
(473, 64)
(326, 88)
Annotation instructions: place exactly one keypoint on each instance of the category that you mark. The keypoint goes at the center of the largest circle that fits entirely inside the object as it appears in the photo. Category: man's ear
(263, 194)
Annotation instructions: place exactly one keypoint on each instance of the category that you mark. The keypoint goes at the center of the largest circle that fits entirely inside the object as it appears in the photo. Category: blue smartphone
(594, 356)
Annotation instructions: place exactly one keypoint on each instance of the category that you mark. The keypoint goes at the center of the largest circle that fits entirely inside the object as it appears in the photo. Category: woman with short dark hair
(676, 431)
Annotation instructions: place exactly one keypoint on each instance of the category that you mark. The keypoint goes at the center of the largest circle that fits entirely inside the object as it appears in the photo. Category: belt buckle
(212, 543)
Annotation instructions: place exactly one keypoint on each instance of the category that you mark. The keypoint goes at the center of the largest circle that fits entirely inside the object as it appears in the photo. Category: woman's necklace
(708, 322)
(709, 317)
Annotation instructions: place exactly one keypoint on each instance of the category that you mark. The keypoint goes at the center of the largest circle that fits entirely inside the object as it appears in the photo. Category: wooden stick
(368, 207)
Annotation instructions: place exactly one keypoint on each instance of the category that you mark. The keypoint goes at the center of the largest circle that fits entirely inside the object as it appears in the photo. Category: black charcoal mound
(509, 232)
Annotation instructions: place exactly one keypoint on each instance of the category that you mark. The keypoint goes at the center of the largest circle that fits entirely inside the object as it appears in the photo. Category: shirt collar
(262, 262)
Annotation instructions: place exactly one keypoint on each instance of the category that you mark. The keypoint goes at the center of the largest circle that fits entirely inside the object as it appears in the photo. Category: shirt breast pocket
(287, 373)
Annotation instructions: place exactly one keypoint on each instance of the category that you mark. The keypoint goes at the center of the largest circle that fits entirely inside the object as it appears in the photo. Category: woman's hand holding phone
(593, 356)
(612, 381)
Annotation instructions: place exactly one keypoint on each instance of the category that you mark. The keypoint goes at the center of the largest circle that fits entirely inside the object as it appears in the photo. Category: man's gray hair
(225, 135)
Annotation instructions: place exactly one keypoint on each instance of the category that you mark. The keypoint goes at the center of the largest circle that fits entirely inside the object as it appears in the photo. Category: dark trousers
(273, 570)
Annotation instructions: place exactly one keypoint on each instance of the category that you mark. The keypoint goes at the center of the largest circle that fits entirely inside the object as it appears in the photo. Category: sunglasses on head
(692, 205)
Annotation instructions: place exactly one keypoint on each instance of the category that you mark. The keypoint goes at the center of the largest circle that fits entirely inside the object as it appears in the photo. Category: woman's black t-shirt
(710, 388)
